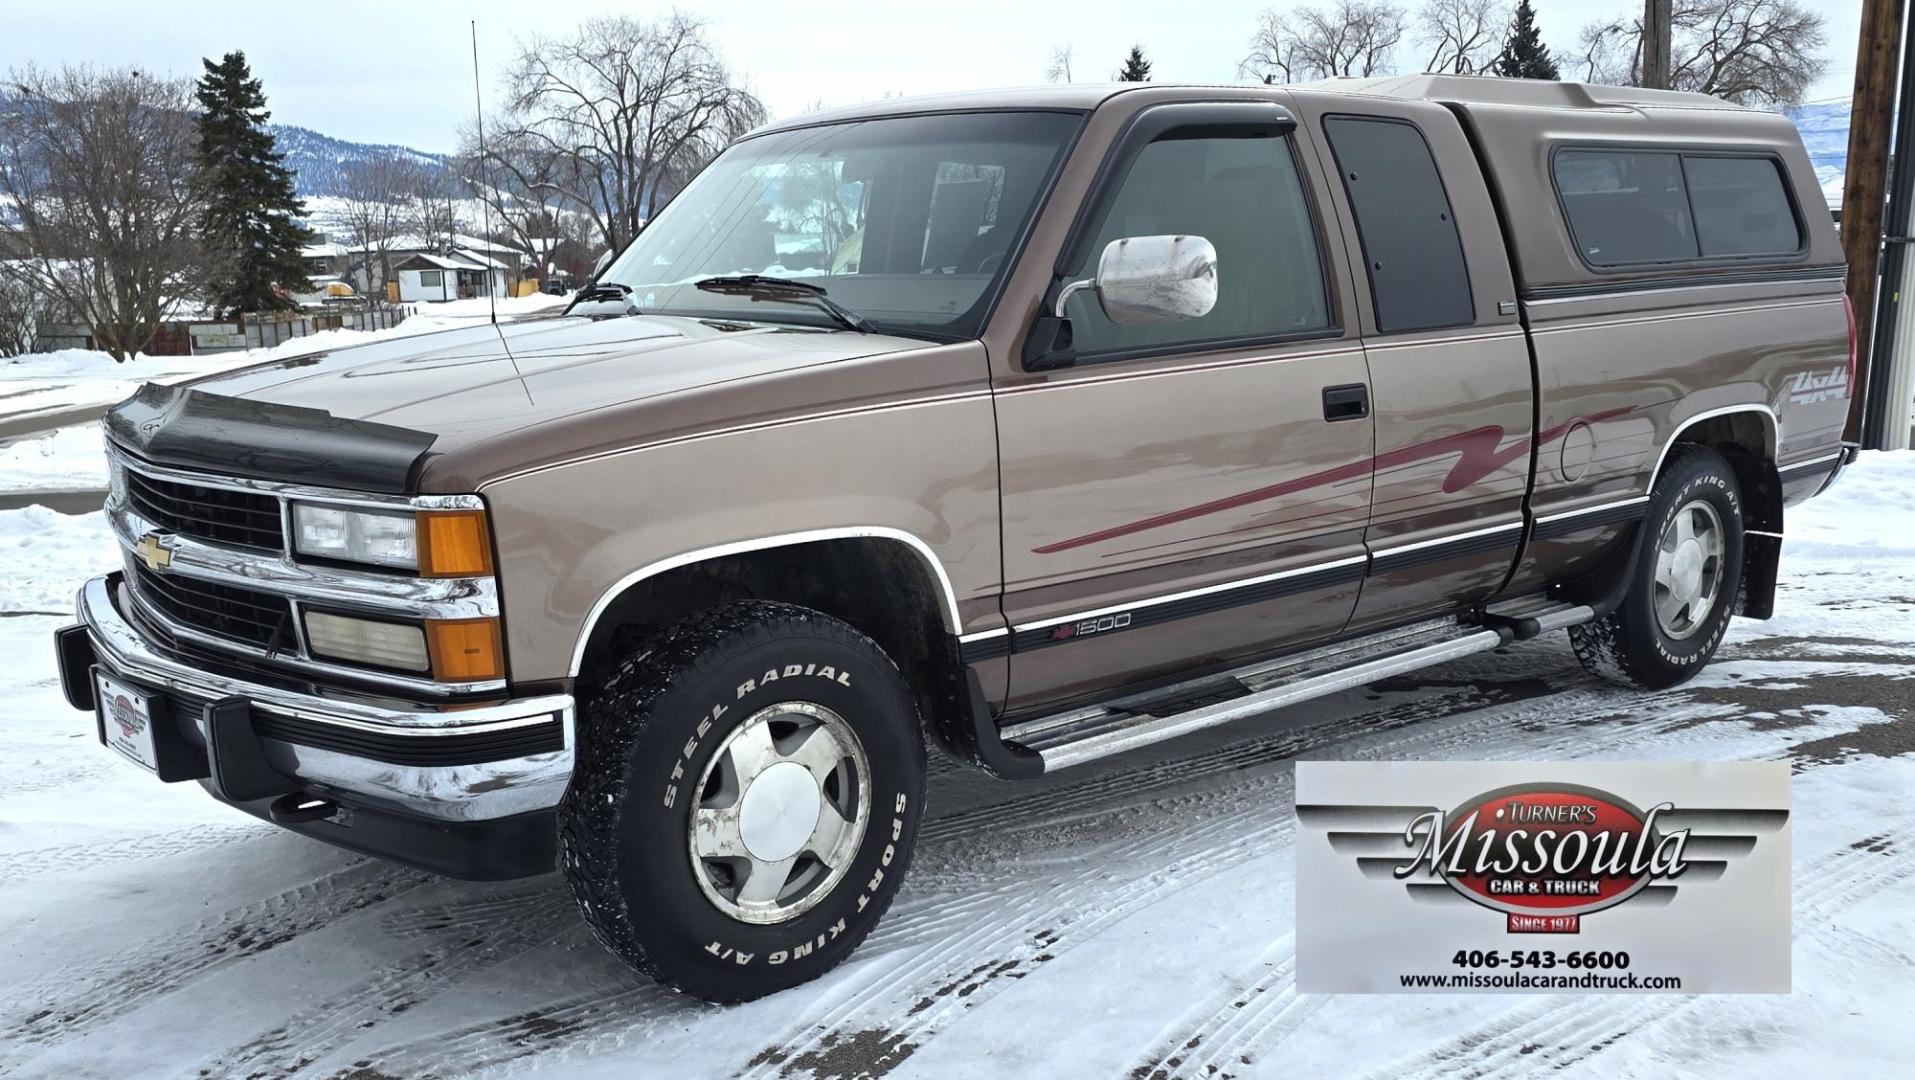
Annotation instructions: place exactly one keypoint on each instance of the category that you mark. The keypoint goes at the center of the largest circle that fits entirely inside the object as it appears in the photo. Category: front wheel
(749, 790)
(1688, 571)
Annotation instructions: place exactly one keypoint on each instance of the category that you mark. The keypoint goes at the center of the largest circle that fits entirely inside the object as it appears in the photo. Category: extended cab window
(1656, 206)
(1241, 194)
(1411, 251)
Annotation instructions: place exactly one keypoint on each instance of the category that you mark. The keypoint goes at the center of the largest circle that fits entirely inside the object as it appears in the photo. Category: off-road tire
(647, 733)
(1629, 645)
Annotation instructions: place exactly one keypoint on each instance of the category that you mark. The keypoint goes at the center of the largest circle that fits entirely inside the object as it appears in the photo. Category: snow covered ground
(1132, 919)
(50, 385)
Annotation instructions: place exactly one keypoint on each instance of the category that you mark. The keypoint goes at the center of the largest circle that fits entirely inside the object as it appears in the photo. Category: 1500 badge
(1103, 624)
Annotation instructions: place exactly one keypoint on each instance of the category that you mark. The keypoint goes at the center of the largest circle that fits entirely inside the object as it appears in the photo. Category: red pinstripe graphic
(1479, 452)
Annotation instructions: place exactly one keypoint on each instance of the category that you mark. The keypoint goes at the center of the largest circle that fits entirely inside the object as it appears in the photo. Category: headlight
(363, 536)
(433, 543)
(368, 641)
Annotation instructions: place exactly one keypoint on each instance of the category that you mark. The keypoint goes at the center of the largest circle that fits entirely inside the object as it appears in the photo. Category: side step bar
(1050, 743)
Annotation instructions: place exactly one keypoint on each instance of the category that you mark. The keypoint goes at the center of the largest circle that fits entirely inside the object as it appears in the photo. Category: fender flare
(947, 609)
(1772, 428)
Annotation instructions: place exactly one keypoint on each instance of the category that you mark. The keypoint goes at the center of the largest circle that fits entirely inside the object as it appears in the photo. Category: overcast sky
(401, 72)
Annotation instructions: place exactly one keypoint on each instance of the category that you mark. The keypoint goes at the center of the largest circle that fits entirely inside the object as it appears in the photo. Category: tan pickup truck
(1039, 425)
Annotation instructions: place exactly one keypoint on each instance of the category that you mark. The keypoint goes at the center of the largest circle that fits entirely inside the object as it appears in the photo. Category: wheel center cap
(779, 811)
(1686, 569)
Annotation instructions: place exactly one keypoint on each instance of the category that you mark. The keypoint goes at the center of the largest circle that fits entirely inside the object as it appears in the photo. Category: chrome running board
(1113, 727)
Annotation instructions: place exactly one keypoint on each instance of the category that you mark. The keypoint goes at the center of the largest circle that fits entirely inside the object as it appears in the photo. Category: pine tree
(249, 222)
(1136, 68)
(1524, 54)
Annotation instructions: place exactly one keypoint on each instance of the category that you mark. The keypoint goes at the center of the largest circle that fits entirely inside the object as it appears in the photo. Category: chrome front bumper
(330, 742)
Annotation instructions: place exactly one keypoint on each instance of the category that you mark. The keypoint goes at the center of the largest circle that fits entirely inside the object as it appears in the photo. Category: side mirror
(1148, 279)
(604, 260)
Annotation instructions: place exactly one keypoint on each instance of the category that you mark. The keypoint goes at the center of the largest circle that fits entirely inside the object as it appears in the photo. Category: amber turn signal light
(454, 543)
(465, 650)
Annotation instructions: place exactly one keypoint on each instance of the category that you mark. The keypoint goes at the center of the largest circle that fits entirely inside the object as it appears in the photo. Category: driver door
(1187, 493)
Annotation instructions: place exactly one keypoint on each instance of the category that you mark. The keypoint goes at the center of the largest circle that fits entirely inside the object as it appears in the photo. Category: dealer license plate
(127, 715)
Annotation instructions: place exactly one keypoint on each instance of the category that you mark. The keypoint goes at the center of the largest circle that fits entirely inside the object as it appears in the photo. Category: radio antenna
(485, 199)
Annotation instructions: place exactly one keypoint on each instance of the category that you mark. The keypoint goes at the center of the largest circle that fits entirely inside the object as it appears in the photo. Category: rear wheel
(749, 788)
(1688, 570)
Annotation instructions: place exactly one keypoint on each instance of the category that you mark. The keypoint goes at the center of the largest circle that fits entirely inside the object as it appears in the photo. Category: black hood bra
(230, 436)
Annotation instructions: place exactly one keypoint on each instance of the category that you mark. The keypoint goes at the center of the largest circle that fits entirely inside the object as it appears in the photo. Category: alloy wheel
(782, 808)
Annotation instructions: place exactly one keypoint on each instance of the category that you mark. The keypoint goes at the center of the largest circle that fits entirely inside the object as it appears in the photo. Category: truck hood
(465, 385)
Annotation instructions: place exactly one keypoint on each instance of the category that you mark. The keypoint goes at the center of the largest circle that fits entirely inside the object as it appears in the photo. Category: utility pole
(1871, 119)
(1656, 18)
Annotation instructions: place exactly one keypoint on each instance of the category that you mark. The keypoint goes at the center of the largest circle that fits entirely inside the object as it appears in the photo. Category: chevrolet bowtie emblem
(152, 554)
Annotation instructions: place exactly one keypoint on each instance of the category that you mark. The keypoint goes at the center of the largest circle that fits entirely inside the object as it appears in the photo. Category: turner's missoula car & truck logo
(1599, 850)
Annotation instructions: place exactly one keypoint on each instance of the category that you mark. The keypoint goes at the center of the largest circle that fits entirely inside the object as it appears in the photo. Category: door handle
(1348, 402)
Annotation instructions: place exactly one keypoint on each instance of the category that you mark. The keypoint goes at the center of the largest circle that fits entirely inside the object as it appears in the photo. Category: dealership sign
(1525, 877)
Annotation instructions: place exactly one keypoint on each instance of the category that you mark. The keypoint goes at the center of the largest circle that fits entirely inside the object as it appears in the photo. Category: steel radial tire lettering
(649, 738)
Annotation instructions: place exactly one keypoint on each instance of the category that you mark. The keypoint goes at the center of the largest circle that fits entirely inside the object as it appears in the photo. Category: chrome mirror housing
(1147, 279)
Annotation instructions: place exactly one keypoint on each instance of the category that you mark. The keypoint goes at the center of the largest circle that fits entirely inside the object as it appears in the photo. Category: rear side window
(1244, 196)
(1411, 251)
(1630, 207)
(1741, 206)
(1626, 206)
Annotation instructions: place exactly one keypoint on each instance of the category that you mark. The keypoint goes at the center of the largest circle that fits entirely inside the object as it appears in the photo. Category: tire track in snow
(1562, 1032)
(37, 862)
(120, 984)
(475, 937)
(1223, 1031)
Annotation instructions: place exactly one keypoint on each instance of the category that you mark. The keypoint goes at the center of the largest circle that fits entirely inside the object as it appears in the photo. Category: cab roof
(1074, 97)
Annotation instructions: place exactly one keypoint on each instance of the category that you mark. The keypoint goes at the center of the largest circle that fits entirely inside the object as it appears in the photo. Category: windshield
(905, 221)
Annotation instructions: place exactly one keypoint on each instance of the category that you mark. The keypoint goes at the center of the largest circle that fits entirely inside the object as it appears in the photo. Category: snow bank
(65, 460)
(1869, 511)
(54, 382)
(48, 554)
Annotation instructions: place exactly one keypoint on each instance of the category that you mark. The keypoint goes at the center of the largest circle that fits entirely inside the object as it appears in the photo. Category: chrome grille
(249, 616)
(221, 515)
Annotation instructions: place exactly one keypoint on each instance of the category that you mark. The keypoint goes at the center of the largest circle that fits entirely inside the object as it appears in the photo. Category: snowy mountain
(318, 161)
(1825, 132)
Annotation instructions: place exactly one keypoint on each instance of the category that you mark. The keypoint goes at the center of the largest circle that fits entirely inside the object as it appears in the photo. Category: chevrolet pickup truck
(1038, 426)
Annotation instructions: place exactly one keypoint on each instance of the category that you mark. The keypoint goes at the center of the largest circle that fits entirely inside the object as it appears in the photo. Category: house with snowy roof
(459, 274)
(423, 270)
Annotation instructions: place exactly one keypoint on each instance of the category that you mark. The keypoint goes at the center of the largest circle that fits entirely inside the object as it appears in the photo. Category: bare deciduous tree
(99, 167)
(1059, 69)
(1753, 52)
(1354, 37)
(1464, 36)
(373, 210)
(24, 310)
(432, 205)
(518, 183)
(629, 109)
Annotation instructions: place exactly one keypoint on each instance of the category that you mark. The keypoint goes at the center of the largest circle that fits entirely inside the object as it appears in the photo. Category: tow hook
(298, 808)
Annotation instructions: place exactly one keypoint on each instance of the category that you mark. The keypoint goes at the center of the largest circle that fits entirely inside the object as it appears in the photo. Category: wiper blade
(602, 292)
(766, 287)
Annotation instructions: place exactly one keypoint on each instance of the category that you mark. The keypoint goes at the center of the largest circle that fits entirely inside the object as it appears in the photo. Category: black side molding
(192, 429)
